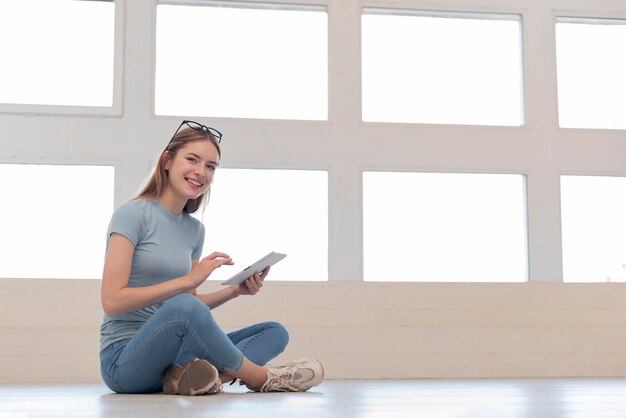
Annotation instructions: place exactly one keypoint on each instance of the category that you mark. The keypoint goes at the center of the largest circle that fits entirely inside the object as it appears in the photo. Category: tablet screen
(256, 267)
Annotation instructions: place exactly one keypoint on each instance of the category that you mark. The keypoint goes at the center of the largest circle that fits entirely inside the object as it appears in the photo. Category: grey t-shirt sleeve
(197, 251)
(127, 220)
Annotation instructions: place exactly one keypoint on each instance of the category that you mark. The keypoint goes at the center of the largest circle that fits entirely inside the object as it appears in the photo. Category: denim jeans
(181, 329)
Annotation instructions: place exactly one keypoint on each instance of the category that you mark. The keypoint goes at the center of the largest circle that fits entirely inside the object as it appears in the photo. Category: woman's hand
(253, 284)
(203, 269)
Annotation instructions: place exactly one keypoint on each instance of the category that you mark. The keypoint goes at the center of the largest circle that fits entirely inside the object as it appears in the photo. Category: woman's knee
(185, 304)
(280, 334)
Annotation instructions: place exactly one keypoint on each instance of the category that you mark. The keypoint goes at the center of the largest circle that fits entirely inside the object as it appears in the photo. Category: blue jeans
(181, 329)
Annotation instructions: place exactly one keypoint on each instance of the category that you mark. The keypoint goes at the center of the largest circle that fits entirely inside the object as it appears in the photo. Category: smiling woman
(202, 158)
(157, 333)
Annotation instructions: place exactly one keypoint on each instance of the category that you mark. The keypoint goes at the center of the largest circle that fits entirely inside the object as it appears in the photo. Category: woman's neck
(172, 203)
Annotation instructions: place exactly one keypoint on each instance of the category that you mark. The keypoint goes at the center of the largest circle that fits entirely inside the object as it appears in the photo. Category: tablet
(269, 260)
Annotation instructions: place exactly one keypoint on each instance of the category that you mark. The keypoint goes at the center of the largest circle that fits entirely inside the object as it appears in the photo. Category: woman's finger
(217, 254)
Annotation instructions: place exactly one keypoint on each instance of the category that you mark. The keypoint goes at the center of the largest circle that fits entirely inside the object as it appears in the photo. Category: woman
(157, 333)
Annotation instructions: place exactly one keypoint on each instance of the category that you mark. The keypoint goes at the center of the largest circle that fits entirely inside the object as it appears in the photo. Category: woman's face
(191, 170)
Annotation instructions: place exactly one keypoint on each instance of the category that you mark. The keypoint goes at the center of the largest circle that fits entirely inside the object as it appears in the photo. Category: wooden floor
(555, 398)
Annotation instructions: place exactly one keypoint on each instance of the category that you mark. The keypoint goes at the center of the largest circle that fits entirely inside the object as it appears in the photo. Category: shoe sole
(198, 377)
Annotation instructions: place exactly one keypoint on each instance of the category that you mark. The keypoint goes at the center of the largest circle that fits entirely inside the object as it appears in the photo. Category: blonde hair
(159, 180)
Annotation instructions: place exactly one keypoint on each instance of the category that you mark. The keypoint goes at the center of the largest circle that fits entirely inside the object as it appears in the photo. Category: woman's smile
(196, 185)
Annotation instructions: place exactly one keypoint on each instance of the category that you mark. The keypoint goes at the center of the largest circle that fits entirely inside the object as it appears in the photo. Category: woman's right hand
(203, 269)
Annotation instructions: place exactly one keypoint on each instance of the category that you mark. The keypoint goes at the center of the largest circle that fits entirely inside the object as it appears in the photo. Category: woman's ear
(167, 160)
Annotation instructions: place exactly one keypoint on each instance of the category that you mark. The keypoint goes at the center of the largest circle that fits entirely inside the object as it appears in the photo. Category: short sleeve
(197, 251)
(127, 220)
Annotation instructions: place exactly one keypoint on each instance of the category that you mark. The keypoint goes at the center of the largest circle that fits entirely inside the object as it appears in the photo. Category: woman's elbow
(109, 307)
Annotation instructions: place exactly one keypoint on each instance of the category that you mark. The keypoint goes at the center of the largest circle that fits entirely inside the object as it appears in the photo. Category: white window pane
(591, 64)
(253, 212)
(54, 220)
(242, 62)
(57, 52)
(441, 227)
(593, 228)
(446, 70)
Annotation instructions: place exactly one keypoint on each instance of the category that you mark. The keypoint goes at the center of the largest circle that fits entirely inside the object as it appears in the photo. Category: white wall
(358, 330)
(48, 328)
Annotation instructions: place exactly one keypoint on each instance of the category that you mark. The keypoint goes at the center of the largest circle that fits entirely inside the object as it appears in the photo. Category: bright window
(54, 220)
(443, 68)
(246, 61)
(593, 228)
(444, 227)
(590, 66)
(57, 52)
(254, 211)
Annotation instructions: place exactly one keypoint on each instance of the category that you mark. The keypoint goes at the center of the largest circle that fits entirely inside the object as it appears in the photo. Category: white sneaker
(297, 376)
(196, 377)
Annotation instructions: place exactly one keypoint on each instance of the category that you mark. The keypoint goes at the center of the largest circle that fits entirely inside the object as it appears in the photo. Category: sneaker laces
(281, 379)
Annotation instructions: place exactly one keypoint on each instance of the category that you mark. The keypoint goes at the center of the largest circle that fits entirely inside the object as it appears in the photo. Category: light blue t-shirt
(165, 244)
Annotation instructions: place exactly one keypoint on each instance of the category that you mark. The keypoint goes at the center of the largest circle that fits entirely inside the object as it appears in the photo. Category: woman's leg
(183, 319)
(262, 342)
(137, 365)
(259, 343)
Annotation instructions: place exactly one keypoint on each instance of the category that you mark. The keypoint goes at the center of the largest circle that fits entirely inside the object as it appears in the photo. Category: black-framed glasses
(199, 127)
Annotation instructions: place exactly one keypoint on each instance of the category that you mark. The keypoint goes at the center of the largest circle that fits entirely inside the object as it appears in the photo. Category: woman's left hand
(253, 284)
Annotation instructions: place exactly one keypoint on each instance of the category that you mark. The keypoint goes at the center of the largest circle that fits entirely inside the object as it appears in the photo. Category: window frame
(71, 162)
(446, 11)
(326, 169)
(116, 108)
(578, 16)
(581, 173)
(526, 227)
(261, 5)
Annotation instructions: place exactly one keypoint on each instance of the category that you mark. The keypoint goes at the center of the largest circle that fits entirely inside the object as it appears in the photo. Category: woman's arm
(251, 286)
(117, 297)
(215, 299)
